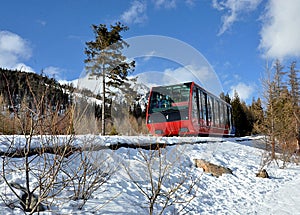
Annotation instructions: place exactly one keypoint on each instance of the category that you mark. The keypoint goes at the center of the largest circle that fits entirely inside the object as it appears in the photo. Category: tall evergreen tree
(258, 116)
(239, 116)
(105, 59)
(226, 97)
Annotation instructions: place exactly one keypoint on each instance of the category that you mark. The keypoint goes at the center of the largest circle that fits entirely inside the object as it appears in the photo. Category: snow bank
(240, 193)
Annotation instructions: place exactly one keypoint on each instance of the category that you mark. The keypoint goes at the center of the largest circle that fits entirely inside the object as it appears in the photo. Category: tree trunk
(103, 104)
(273, 149)
(298, 139)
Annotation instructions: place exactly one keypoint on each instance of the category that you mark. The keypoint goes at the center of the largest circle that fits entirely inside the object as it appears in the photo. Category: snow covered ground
(199, 193)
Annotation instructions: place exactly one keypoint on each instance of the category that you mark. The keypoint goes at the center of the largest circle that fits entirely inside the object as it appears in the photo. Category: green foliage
(104, 56)
(105, 59)
(258, 116)
(17, 86)
(242, 117)
(226, 97)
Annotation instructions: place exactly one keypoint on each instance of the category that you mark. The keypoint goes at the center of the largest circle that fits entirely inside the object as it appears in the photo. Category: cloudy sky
(235, 37)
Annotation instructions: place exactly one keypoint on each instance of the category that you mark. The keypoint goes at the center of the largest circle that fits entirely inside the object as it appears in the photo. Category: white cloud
(168, 4)
(244, 91)
(136, 14)
(234, 9)
(53, 72)
(41, 22)
(13, 50)
(202, 76)
(190, 2)
(167, 77)
(280, 31)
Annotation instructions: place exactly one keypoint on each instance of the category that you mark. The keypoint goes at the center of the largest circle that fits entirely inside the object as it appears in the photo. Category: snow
(239, 193)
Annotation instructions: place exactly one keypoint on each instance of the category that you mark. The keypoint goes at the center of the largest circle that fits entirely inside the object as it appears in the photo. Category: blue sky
(236, 37)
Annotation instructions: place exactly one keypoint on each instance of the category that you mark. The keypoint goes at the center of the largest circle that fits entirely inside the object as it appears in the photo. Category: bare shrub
(158, 184)
(89, 170)
(39, 165)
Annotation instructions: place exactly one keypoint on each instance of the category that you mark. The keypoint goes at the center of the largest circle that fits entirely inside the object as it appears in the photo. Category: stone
(262, 174)
(214, 169)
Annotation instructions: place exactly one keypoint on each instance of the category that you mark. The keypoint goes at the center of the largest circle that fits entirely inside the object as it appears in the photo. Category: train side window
(210, 113)
(228, 115)
(203, 108)
(221, 108)
(225, 115)
(222, 114)
(195, 105)
(216, 113)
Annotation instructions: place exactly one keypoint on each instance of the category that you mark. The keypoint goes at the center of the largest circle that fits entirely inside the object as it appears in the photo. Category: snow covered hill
(199, 193)
(94, 85)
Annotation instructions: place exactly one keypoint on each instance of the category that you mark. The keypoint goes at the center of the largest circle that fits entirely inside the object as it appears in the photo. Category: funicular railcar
(187, 109)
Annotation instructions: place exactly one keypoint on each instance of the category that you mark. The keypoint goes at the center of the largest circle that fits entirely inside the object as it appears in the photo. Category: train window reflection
(164, 98)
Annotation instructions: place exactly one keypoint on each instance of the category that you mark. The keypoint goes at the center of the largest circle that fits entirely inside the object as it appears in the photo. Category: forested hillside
(53, 107)
(17, 87)
(24, 94)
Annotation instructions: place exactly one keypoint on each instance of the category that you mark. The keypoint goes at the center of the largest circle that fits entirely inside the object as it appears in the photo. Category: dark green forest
(17, 87)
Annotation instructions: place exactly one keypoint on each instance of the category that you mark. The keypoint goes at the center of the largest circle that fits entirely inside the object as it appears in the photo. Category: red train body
(187, 109)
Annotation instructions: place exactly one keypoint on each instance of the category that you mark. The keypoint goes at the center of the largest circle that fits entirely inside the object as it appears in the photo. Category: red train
(187, 109)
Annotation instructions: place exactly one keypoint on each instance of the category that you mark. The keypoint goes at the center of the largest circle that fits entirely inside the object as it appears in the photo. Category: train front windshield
(169, 103)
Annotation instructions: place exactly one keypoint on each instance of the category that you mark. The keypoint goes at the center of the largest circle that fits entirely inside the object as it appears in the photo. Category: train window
(225, 115)
(165, 98)
(203, 108)
(228, 117)
(210, 114)
(216, 113)
(195, 105)
(222, 117)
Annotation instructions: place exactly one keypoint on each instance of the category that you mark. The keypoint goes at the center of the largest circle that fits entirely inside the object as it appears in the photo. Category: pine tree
(239, 116)
(226, 97)
(105, 59)
(258, 116)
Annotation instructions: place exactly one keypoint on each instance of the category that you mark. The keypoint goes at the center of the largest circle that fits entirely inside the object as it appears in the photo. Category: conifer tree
(105, 59)
(239, 116)
(258, 116)
(226, 97)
